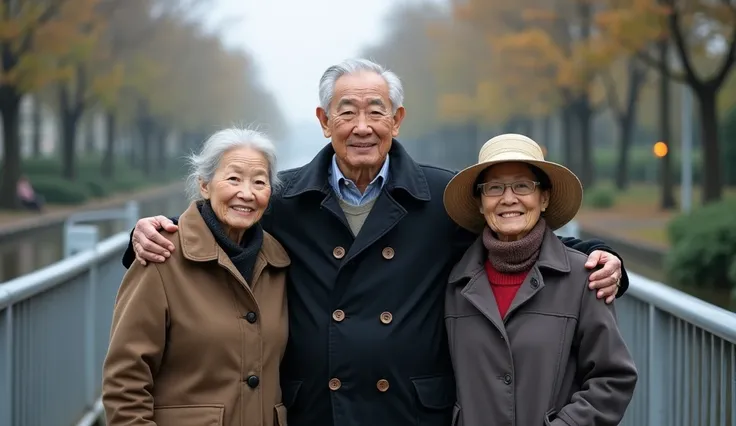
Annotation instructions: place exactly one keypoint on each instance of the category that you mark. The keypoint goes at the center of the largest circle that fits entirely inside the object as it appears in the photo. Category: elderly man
(371, 247)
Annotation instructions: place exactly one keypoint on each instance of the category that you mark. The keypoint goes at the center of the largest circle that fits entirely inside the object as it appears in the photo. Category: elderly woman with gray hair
(198, 340)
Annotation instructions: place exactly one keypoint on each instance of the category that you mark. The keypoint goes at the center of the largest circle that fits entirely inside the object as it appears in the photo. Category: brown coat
(557, 359)
(192, 344)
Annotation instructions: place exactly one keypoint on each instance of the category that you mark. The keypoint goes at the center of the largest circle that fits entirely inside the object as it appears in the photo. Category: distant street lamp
(660, 149)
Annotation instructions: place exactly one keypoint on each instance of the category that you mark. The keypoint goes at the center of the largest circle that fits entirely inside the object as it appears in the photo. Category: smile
(242, 209)
(510, 214)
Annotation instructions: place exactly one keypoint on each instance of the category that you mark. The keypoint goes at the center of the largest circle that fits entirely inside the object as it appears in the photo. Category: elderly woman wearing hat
(530, 345)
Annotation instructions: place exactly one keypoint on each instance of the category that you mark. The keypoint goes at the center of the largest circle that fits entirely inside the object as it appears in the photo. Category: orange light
(660, 149)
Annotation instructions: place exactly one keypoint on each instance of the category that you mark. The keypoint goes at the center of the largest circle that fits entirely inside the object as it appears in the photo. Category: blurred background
(102, 99)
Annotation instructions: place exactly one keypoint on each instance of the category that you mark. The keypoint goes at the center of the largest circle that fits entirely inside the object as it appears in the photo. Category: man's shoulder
(437, 176)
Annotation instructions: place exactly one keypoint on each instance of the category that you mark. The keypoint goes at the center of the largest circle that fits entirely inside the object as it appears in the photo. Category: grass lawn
(636, 214)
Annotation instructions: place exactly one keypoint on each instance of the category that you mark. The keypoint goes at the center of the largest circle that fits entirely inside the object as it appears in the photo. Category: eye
(346, 113)
(233, 179)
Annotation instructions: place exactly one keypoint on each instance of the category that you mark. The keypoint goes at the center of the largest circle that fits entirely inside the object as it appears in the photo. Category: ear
(398, 119)
(324, 122)
(545, 200)
(204, 190)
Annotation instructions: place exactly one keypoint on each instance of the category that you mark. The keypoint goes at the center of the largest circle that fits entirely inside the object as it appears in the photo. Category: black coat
(367, 344)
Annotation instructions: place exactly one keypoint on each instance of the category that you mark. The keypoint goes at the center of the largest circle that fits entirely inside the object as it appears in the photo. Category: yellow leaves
(539, 15)
(456, 108)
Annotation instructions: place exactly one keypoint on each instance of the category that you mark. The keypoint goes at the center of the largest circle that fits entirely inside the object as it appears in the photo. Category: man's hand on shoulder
(606, 280)
(148, 243)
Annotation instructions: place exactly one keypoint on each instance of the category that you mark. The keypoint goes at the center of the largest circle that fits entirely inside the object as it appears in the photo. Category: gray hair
(202, 166)
(353, 66)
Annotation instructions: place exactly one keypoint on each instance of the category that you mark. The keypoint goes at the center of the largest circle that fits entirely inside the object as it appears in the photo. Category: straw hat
(566, 194)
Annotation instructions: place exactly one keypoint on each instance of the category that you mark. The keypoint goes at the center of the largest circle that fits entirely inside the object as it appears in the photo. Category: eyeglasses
(496, 189)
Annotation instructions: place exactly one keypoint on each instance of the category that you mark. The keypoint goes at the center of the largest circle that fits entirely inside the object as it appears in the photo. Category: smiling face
(511, 216)
(239, 190)
(361, 124)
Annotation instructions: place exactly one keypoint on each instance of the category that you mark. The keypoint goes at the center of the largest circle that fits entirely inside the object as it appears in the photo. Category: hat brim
(566, 195)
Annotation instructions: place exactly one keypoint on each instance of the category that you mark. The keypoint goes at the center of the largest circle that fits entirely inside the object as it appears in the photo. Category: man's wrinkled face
(360, 120)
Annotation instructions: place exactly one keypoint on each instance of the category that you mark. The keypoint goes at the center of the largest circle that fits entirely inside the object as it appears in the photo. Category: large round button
(338, 252)
(507, 378)
(252, 381)
(382, 385)
(534, 283)
(386, 317)
(388, 253)
(335, 384)
(338, 315)
(251, 317)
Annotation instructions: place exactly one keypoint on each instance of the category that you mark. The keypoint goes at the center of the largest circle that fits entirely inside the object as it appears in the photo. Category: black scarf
(242, 255)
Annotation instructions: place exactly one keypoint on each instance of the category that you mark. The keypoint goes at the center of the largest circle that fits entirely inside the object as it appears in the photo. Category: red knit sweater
(504, 286)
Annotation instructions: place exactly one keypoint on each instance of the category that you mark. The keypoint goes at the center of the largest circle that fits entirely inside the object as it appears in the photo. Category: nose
(361, 127)
(508, 196)
(246, 193)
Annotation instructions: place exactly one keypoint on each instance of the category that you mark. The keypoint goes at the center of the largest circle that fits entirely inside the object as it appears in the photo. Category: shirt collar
(336, 175)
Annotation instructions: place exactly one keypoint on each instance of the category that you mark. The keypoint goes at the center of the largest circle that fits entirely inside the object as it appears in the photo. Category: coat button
(386, 317)
(252, 381)
(335, 384)
(388, 253)
(382, 385)
(535, 283)
(507, 378)
(338, 252)
(338, 315)
(251, 317)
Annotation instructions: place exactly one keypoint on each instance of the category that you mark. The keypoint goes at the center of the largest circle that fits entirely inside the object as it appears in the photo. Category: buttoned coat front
(367, 343)
(557, 358)
(192, 343)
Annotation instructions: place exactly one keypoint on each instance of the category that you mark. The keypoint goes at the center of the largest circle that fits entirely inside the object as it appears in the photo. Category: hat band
(509, 156)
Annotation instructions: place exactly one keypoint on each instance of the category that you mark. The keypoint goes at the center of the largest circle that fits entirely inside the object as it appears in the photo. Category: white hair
(202, 166)
(353, 66)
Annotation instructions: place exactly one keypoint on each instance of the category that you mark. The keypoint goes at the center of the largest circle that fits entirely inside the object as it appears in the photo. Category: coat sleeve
(137, 341)
(605, 367)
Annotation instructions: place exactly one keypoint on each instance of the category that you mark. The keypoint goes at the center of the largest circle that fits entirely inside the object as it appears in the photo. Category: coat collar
(404, 173)
(553, 256)
(199, 245)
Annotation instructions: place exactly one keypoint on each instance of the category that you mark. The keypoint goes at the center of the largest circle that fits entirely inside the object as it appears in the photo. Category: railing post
(89, 335)
(657, 368)
(132, 212)
(6, 368)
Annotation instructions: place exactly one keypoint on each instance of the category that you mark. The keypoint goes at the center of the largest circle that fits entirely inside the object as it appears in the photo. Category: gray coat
(557, 359)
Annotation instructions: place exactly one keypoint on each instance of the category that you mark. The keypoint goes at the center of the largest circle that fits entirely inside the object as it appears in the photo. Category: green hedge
(703, 252)
(45, 176)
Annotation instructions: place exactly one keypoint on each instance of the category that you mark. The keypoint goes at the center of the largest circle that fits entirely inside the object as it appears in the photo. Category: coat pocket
(189, 415)
(549, 416)
(435, 399)
(456, 415)
(279, 415)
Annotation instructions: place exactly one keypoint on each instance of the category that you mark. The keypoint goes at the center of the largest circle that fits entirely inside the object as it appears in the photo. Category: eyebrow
(351, 102)
(239, 169)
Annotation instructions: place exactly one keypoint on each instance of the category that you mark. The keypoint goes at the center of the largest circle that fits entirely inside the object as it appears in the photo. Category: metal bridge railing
(55, 324)
(55, 327)
(685, 351)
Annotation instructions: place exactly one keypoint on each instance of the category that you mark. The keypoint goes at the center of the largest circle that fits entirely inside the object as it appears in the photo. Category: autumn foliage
(147, 65)
(506, 65)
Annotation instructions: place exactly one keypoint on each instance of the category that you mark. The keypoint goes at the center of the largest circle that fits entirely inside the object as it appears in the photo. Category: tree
(701, 32)
(33, 34)
(625, 112)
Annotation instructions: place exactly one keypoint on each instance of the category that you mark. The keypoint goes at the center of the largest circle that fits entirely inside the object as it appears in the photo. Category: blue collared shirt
(348, 192)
